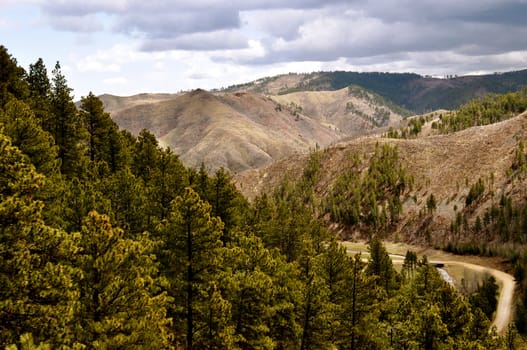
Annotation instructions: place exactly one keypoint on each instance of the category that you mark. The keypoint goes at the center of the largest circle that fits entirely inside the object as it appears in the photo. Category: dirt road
(505, 301)
(476, 264)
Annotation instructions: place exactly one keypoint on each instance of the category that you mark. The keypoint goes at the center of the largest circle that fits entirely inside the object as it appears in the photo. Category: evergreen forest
(107, 241)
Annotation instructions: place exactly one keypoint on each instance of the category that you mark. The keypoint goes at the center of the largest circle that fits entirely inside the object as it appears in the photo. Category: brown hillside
(114, 103)
(351, 111)
(237, 131)
(240, 131)
(445, 166)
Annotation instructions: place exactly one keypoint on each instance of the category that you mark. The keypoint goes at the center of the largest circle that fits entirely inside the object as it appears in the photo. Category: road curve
(505, 300)
(505, 280)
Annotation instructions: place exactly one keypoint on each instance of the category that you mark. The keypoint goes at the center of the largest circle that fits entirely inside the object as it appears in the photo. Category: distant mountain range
(411, 91)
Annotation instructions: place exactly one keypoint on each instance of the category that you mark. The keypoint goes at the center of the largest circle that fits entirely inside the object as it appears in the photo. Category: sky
(124, 47)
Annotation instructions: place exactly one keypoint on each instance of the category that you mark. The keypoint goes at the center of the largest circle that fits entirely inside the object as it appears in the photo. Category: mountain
(240, 131)
(253, 124)
(411, 91)
(445, 166)
(236, 131)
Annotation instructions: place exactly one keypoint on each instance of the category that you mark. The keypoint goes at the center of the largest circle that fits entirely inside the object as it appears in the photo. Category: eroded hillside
(236, 131)
(445, 166)
(352, 110)
(240, 131)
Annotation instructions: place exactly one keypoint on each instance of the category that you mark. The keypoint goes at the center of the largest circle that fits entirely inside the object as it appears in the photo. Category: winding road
(505, 300)
(504, 280)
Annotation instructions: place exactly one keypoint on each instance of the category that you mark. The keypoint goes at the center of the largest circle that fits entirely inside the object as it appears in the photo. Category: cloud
(362, 33)
(91, 65)
(79, 24)
(355, 31)
(172, 23)
(115, 81)
(277, 23)
(202, 41)
(57, 8)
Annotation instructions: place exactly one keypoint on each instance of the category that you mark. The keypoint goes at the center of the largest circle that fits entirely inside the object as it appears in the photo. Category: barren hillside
(445, 166)
(236, 131)
(352, 110)
(240, 131)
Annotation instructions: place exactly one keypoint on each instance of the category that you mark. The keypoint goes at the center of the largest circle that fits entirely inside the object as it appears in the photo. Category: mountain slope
(236, 131)
(352, 110)
(240, 131)
(445, 166)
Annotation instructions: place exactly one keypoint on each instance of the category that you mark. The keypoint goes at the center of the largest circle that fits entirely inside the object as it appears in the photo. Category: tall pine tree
(66, 127)
(191, 256)
(37, 293)
(122, 304)
(40, 93)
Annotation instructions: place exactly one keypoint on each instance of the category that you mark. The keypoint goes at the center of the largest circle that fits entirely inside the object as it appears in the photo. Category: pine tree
(101, 130)
(36, 285)
(217, 333)
(358, 327)
(191, 257)
(121, 302)
(334, 268)
(380, 265)
(314, 306)
(485, 296)
(40, 93)
(12, 84)
(66, 127)
(145, 155)
(226, 202)
(79, 198)
(250, 289)
(287, 295)
(168, 180)
(128, 201)
(21, 125)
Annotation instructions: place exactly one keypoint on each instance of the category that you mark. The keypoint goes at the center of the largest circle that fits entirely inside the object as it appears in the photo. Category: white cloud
(115, 81)
(97, 66)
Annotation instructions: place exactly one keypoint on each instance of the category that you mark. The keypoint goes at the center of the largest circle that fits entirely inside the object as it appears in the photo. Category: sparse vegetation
(368, 196)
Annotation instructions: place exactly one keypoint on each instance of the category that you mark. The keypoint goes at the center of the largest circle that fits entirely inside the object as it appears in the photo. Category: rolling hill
(235, 131)
(240, 131)
(352, 110)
